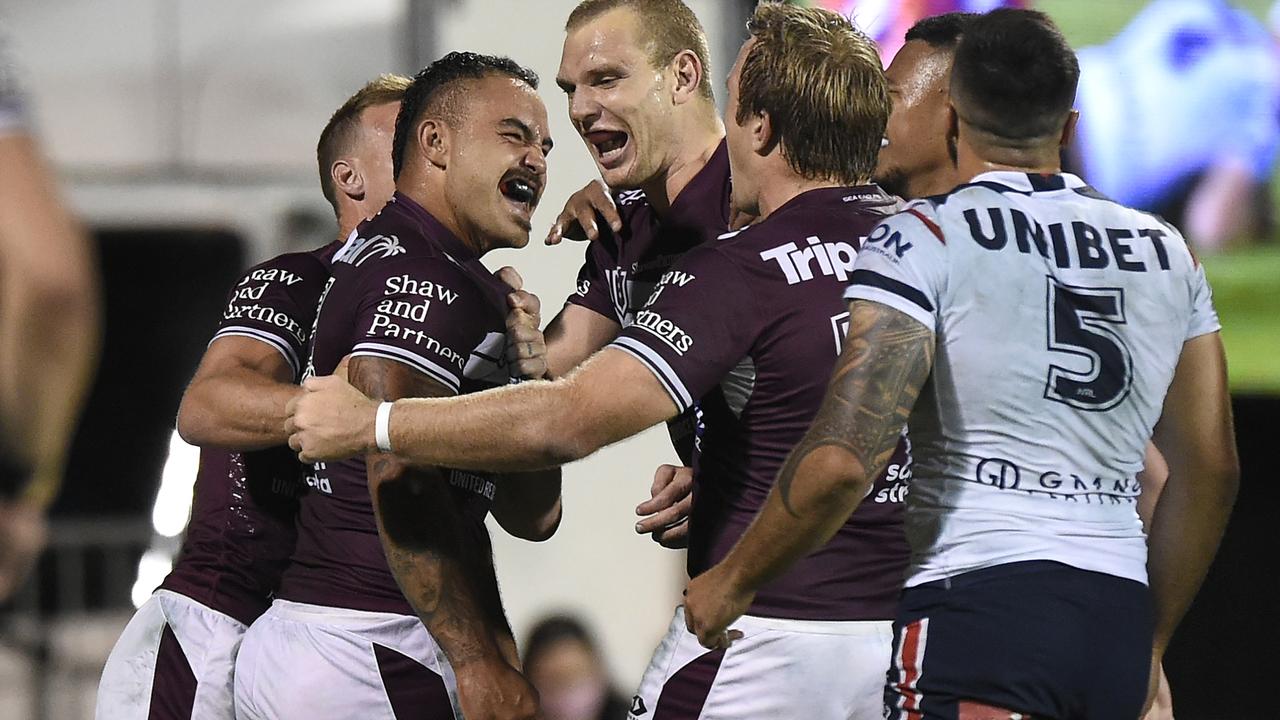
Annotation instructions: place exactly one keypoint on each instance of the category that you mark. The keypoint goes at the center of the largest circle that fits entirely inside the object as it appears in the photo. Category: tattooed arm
(887, 358)
(443, 561)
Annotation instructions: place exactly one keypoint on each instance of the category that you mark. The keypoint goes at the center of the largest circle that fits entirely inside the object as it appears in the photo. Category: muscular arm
(49, 320)
(1196, 436)
(575, 335)
(528, 505)
(886, 360)
(441, 561)
(238, 396)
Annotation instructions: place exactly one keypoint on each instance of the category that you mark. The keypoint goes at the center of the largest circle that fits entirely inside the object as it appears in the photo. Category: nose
(583, 110)
(535, 159)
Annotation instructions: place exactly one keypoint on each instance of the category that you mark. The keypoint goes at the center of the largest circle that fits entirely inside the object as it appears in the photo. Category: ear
(953, 133)
(761, 129)
(1069, 128)
(434, 140)
(347, 179)
(688, 72)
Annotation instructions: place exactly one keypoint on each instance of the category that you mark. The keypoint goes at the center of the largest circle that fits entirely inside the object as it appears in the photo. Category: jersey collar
(1029, 182)
(434, 230)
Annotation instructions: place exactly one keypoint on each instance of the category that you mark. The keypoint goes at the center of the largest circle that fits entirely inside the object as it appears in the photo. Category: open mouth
(521, 191)
(608, 144)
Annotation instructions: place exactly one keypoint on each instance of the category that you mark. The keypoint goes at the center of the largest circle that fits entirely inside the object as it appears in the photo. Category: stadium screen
(1180, 115)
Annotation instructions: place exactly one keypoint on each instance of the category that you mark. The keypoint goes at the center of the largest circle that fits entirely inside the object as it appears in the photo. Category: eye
(607, 81)
(513, 136)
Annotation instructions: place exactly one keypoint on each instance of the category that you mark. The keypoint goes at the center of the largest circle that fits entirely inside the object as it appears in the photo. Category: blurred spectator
(48, 336)
(1180, 115)
(563, 662)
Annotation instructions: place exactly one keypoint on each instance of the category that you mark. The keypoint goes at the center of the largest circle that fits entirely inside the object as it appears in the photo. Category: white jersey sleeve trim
(281, 346)
(895, 301)
(417, 362)
(662, 370)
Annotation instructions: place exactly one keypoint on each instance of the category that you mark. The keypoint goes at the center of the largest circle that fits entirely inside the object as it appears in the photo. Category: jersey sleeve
(697, 325)
(903, 264)
(275, 303)
(422, 312)
(1204, 319)
(593, 286)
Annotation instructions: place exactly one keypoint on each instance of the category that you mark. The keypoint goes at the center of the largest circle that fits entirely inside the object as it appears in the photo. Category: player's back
(749, 327)
(1059, 318)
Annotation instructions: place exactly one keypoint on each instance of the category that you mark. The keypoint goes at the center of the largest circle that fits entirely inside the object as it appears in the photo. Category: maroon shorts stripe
(413, 689)
(684, 693)
(173, 687)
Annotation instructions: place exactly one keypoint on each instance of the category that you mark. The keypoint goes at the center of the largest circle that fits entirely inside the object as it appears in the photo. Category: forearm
(1187, 527)
(445, 576)
(49, 336)
(512, 429)
(826, 486)
(240, 408)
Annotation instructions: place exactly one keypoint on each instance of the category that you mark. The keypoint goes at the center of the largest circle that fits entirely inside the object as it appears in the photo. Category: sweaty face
(498, 160)
(916, 159)
(377, 129)
(617, 98)
(743, 195)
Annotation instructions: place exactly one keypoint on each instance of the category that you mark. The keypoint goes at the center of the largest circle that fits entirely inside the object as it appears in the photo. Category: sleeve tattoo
(885, 362)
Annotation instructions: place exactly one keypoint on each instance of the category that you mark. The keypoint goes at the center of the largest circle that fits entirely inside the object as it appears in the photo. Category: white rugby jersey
(1059, 316)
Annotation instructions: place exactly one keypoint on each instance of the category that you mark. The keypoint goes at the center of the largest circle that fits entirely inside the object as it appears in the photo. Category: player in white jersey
(1041, 332)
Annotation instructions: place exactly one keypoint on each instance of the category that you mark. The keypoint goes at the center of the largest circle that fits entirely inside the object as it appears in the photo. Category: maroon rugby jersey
(621, 269)
(405, 289)
(749, 326)
(241, 531)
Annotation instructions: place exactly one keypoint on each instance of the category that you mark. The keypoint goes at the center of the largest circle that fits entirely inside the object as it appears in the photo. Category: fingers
(509, 276)
(579, 219)
(674, 537)
(668, 517)
(662, 477)
(528, 303)
(602, 203)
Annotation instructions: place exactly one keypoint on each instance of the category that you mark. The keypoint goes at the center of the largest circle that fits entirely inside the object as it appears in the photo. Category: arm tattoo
(886, 359)
(441, 559)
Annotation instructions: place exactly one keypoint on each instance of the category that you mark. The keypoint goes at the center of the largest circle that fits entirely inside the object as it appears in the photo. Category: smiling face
(916, 161)
(497, 160)
(619, 102)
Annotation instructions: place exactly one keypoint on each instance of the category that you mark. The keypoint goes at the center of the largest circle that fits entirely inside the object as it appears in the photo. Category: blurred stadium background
(185, 132)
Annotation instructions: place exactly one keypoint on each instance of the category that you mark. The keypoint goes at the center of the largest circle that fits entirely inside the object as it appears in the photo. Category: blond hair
(820, 80)
(670, 25)
(340, 131)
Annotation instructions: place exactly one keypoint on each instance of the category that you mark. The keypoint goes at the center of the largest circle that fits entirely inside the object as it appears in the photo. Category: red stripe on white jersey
(933, 226)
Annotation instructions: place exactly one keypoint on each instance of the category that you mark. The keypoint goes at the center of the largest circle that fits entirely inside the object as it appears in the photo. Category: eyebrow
(527, 133)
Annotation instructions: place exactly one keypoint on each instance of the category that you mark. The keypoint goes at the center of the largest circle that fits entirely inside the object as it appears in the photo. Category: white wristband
(382, 427)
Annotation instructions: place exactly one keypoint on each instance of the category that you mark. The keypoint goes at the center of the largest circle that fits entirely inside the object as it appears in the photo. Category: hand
(665, 515)
(577, 221)
(493, 690)
(526, 348)
(712, 602)
(23, 534)
(330, 420)
(1159, 698)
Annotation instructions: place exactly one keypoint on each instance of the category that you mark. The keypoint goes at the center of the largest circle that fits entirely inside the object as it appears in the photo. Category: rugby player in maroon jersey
(176, 657)
(390, 603)
(749, 326)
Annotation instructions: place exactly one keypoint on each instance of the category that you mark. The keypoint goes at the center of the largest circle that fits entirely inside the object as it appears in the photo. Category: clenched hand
(330, 420)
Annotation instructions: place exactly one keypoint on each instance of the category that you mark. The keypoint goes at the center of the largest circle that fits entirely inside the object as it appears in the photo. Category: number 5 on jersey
(1080, 323)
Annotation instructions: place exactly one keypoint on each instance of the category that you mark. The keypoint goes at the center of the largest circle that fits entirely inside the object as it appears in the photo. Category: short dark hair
(433, 91)
(1014, 76)
(819, 78)
(340, 131)
(941, 31)
(553, 630)
(671, 25)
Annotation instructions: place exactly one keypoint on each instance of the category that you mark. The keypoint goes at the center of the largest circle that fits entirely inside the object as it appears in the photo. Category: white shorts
(174, 661)
(311, 662)
(778, 669)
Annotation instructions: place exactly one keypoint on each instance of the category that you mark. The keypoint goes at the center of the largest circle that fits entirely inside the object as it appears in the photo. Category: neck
(938, 181)
(974, 157)
(691, 157)
(428, 192)
(777, 188)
